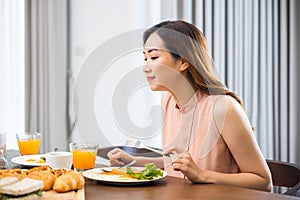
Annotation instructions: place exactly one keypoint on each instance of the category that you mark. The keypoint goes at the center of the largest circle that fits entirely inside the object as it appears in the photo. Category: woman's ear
(184, 65)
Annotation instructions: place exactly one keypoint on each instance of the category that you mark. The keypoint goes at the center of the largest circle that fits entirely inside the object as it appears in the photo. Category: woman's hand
(119, 157)
(188, 167)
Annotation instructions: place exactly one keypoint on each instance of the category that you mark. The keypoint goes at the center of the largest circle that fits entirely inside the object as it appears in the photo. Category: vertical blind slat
(251, 43)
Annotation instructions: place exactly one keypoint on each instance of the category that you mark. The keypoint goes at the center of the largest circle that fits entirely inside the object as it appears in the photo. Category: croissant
(19, 173)
(12, 171)
(46, 168)
(69, 181)
(59, 172)
(19, 176)
(47, 177)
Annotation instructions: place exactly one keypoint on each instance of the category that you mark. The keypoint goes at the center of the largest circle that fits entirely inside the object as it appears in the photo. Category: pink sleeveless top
(193, 128)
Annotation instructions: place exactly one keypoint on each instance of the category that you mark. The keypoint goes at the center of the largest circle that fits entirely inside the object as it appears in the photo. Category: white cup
(59, 160)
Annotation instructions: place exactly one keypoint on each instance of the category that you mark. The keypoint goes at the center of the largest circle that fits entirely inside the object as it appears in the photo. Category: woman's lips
(150, 78)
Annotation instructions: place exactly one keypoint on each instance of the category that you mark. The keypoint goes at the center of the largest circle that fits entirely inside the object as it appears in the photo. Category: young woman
(207, 136)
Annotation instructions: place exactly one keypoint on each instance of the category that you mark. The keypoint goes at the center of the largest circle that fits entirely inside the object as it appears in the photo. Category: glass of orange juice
(29, 142)
(84, 155)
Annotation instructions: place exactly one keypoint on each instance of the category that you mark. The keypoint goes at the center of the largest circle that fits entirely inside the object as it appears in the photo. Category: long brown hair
(185, 40)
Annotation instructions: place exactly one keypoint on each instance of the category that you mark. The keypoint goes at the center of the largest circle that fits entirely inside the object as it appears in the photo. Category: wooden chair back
(285, 174)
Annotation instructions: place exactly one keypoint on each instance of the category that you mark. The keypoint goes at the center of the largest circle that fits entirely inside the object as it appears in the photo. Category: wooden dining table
(169, 188)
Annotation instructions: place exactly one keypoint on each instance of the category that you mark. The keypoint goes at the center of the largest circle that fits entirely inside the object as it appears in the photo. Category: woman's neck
(183, 93)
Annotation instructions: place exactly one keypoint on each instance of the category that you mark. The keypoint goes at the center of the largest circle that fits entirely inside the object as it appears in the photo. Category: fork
(109, 169)
(128, 164)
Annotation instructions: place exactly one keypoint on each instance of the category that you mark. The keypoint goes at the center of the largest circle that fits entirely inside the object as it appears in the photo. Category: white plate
(29, 160)
(95, 174)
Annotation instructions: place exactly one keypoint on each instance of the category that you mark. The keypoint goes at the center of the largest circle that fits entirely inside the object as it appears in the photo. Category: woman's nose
(146, 68)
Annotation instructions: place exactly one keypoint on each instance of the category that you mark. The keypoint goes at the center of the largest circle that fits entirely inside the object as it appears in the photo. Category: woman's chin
(155, 87)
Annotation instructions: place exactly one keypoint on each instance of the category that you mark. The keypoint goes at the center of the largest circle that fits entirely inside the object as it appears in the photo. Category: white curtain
(11, 70)
(255, 47)
(46, 71)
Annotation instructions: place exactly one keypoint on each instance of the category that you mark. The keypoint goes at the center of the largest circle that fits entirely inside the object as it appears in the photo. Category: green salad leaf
(148, 173)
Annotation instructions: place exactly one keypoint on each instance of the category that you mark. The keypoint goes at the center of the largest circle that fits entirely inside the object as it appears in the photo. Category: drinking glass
(3, 161)
(3, 142)
(84, 155)
(29, 142)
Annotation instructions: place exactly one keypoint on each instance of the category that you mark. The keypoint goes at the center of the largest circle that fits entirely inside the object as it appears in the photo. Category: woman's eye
(152, 58)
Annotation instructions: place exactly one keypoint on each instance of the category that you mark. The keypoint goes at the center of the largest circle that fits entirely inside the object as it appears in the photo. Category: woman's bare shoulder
(226, 109)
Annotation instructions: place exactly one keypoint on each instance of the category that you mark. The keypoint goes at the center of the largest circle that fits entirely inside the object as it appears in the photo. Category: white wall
(94, 22)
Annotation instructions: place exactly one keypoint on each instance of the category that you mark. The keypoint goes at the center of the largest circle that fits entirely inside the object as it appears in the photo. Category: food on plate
(69, 181)
(43, 158)
(122, 174)
(148, 173)
(40, 160)
(47, 177)
(25, 188)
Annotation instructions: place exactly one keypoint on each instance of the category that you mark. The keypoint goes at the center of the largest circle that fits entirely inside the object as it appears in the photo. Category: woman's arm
(236, 131)
(119, 157)
(158, 161)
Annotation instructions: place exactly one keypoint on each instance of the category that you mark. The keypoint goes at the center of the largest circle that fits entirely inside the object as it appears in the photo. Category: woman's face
(161, 68)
